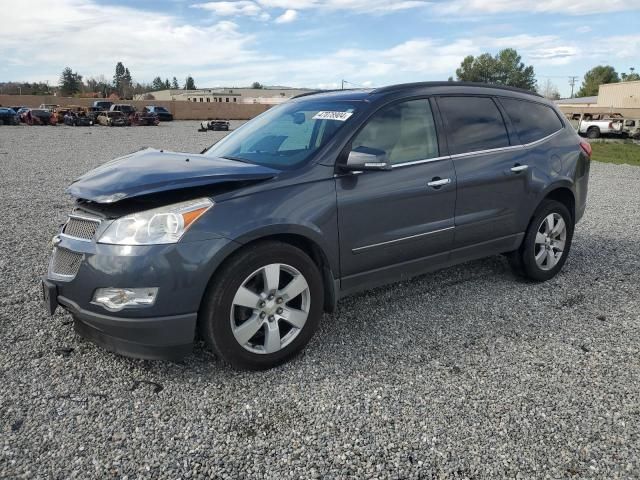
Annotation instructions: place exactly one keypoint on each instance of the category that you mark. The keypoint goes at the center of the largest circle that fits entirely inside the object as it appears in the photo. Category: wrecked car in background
(215, 125)
(112, 119)
(144, 118)
(163, 114)
(78, 119)
(8, 116)
(37, 116)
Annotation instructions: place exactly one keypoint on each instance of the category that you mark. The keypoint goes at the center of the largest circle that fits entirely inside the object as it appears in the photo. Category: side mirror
(370, 160)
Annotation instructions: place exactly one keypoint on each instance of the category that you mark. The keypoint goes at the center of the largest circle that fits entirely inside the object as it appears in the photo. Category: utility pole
(572, 82)
(342, 85)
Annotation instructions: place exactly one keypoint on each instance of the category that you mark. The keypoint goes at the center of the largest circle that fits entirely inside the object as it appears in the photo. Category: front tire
(546, 244)
(593, 132)
(263, 306)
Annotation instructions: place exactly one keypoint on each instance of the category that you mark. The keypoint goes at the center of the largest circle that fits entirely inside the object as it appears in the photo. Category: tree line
(71, 83)
(507, 68)
(504, 68)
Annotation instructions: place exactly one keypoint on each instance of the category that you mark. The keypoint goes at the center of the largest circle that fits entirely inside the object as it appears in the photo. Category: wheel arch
(298, 238)
(564, 195)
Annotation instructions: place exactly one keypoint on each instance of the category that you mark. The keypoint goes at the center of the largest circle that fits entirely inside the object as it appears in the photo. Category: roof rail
(407, 86)
(316, 92)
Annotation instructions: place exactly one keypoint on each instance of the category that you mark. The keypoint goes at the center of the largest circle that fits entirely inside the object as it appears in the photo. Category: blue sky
(312, 43)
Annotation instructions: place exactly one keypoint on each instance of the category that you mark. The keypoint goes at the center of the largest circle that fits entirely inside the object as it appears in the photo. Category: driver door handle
(519, 168)
(439, 182)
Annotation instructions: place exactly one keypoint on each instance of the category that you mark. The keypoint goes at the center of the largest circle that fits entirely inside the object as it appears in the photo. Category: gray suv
(250, 241)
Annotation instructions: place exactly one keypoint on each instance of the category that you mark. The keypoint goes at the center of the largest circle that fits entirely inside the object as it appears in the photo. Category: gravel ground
(465, 373)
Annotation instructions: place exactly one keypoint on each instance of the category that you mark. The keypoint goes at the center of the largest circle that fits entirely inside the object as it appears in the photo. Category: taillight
(610, 125)
(586, 147)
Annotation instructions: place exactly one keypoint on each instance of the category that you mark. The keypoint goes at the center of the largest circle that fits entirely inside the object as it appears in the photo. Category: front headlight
(158, 226)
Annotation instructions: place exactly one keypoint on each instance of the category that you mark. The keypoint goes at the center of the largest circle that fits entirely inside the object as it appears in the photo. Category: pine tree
(157, 84)
(70, 82)
(119, 77)
(174, 84)
(190, 84)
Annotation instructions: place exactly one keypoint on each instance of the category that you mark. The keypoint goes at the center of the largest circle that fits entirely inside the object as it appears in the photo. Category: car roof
(468, 88)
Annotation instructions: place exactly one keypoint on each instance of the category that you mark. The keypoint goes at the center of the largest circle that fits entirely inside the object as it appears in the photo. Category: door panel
(390, 217)
(490, 195)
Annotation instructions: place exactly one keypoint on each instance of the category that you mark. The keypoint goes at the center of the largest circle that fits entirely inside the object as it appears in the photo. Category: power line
(572, 82)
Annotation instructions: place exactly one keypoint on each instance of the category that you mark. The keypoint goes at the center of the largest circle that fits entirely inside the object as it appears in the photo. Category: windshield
(285, 136)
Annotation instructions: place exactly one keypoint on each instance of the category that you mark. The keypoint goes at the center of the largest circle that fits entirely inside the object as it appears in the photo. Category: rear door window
(532, 121)
(473, 124)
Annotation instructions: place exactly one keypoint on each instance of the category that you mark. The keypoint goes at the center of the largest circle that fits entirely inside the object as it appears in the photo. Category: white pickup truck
(605, 126)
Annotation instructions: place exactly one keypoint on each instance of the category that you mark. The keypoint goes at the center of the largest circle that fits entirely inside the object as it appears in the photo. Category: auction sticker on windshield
(339, 116)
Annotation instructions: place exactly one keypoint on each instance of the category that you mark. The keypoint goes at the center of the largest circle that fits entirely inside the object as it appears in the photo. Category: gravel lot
(465, 373)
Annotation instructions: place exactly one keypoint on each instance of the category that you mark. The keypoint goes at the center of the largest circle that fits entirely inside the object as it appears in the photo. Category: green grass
(617, 153)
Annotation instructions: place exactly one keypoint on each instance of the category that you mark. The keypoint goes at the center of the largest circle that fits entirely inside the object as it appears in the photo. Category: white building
(267, 96)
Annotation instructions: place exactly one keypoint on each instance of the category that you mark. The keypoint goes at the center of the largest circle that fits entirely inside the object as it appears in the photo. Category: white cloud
(571, 7)
(152, 44)
(234, 8)
(148, 43)
(259, 8)
(287, 17)
(361, 6)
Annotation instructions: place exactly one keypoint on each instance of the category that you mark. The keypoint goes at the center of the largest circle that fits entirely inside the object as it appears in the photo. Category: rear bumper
(158, 338)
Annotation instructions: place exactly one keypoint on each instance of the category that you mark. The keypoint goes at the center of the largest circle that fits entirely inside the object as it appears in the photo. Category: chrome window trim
(543, 139)
(359, 249)
(475, 152)
(419, 162)
(490, 150)
(510, 147)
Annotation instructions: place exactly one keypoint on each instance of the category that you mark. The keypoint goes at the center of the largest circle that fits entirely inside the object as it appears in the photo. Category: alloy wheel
(270, 308)
(550, 241)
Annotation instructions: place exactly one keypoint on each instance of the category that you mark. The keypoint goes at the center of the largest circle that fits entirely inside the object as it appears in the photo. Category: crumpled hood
(151, 171)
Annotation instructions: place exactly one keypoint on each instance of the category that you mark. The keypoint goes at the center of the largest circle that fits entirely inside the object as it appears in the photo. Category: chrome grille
(65, 262)
(80, 227)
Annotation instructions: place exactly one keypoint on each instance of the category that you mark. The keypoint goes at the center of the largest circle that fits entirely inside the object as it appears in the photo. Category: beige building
(620, 95)
(263, 96)
(622, 98)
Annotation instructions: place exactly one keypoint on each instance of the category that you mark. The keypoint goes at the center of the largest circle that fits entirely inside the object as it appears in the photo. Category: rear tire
(546, 243)
(263, 306)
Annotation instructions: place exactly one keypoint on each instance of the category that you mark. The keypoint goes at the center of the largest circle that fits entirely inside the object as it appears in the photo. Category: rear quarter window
(473, 124)
(531, 120)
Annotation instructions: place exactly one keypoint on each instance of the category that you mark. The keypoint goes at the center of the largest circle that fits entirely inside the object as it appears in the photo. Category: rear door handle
(519, 168)
(439, 182)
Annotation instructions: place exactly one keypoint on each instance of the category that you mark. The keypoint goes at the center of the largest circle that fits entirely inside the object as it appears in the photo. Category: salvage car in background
(102, 105)
(8, 116)
(48, 106)
(112, 119)
(597, 128)
(125, 108)
(215, 125)
(163, 114)
(144, 118)
(78, 119)
(38, 116)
